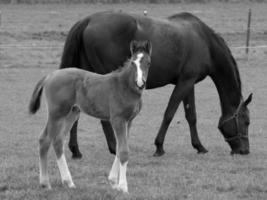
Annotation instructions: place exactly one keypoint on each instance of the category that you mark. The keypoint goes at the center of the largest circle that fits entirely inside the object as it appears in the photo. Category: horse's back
(175, 42)
(107, 38)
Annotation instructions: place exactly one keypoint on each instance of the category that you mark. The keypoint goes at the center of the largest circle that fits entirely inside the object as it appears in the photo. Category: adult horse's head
(235, 128)
(141, 53)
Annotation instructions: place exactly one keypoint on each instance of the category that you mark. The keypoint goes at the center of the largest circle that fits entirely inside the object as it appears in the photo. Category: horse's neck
(126, 83)
(229, 90)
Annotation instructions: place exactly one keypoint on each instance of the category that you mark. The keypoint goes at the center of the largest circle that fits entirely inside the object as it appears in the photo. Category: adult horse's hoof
(202, 151)
(159, 152)
(112, 151)
(76, 154)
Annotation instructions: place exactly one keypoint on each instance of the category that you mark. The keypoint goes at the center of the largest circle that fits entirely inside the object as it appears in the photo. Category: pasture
(31, 43)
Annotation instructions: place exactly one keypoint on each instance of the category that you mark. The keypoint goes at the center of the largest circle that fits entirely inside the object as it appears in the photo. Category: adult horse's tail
(73, 45)
(35, 101)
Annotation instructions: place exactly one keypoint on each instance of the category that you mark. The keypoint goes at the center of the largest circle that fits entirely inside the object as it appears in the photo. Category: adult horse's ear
(248, 100)
(148, 46)
(133, 46)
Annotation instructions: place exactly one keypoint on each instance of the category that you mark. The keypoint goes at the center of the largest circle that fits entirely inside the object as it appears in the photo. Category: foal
(114, 97)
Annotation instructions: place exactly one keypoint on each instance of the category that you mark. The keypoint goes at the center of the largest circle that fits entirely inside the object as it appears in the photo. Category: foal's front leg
(117, 174)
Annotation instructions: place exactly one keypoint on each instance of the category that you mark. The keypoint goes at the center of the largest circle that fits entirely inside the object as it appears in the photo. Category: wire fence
(34, 46)
(63, 34)
(123, 1)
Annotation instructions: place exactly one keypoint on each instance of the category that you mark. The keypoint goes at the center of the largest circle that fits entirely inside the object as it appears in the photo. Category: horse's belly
(90, 108)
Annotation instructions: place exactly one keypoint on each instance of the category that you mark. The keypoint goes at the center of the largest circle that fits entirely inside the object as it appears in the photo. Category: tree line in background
(123, 1)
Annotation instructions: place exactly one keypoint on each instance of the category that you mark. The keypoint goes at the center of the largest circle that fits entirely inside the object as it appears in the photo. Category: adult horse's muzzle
(239, 146)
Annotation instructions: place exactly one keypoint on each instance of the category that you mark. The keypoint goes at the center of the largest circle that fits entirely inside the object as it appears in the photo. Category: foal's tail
(36, 96)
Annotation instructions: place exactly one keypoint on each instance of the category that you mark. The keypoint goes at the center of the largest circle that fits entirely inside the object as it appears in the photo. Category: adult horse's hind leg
(190, 115)
(58, 144)
(73, 142)
(110, 137)
(180, 91)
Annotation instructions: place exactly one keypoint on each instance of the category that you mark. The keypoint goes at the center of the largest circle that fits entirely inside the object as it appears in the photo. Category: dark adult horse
(185, 51)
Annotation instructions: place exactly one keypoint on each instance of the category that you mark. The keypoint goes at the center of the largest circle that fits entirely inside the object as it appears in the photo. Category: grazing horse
(114, 97)
(185, 51)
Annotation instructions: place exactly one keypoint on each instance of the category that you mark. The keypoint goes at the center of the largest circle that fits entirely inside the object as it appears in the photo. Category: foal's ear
(133, 46)
(148, 47)
(248, 100)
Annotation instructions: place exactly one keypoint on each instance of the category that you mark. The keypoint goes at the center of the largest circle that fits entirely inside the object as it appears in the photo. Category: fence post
(248, 31)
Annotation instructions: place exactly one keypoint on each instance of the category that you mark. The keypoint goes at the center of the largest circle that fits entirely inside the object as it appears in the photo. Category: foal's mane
(122, 67)
(126, 63)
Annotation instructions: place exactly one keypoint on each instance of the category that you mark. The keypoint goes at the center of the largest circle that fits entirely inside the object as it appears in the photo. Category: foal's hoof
(113, 183)
(45, 186)
(159, 152)
(122, 188)
(70, 184)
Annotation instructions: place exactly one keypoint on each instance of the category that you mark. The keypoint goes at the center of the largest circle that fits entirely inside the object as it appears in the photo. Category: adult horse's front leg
(73, 142)
(180, 91)
(110, 137)
(191, 117)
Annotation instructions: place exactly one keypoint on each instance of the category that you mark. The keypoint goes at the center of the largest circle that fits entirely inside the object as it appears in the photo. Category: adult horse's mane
(218, 47)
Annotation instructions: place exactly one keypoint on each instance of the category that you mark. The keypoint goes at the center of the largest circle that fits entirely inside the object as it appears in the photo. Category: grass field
(31, 44)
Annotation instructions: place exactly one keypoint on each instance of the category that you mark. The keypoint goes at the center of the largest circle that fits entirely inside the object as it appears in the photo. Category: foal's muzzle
(141, 87)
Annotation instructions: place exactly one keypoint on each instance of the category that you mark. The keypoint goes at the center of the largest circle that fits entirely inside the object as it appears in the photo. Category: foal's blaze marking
(137, 63)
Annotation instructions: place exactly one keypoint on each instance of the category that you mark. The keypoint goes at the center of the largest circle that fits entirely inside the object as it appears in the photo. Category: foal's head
(140, 60)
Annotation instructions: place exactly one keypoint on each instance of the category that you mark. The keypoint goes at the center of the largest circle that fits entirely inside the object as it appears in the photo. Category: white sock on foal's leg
(114, 173)
(123, 186)
(44, 179)
(64, 171)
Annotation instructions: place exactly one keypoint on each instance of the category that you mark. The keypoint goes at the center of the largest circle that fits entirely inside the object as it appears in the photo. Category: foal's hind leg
(58, 144)
(52, 128)
(44, 144)
(190, 115)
